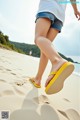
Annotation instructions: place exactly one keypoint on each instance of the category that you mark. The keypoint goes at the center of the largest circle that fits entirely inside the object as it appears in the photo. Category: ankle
(56, 60)
(38, 77)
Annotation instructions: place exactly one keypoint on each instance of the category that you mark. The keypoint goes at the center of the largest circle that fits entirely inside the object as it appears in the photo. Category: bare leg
(41, 29)
(52, 33)
(46, 47)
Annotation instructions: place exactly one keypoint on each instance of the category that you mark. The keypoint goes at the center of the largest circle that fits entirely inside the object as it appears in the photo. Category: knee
(38, 40)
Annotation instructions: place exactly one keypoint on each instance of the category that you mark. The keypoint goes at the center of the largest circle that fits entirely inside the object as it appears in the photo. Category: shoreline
(77, 74)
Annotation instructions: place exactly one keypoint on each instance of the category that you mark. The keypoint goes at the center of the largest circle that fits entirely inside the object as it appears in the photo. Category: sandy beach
(24, 101)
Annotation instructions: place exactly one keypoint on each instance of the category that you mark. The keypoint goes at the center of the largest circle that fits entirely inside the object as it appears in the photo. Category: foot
(55, 67)
(37, 81)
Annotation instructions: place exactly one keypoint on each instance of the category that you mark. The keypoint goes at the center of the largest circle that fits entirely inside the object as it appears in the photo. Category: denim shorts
(55, 23)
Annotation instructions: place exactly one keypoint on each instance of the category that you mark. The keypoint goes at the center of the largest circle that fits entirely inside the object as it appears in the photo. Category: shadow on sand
(29, 109)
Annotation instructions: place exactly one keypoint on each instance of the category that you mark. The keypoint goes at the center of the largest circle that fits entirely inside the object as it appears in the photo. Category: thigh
(52, 33)
(42, 27)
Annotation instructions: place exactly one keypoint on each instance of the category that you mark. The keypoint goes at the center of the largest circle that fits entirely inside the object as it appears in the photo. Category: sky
(17, 20)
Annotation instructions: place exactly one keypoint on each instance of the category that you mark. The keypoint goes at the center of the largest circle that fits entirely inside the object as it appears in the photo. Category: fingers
(77, 15)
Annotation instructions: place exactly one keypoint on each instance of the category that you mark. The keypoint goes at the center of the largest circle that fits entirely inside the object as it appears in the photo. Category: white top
(53, 6)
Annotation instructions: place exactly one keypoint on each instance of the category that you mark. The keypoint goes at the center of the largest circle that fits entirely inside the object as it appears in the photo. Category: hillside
(33, 49)
(28, 49)
(5, 43)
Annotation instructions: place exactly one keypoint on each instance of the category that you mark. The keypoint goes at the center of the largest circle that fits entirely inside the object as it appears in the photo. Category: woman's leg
(41, 29)
(46, 47)
(52, 33)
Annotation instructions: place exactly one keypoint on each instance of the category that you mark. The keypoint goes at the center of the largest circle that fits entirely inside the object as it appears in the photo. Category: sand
(25, 102)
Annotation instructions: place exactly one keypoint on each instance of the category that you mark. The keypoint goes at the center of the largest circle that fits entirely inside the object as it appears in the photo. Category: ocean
(77, 66)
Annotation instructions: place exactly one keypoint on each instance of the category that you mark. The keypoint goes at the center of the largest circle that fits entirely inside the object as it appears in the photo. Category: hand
(77, 14)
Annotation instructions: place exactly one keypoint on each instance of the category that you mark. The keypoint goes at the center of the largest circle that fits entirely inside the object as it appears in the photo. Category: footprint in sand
(2, 80)
(13, 73)
(21, 83)
(70, 114)
(7, 92)
(66, 100)
(3, 68)
(42, 99)
(8, 69)
(73, 114)
(64, 114)
(17, 90)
